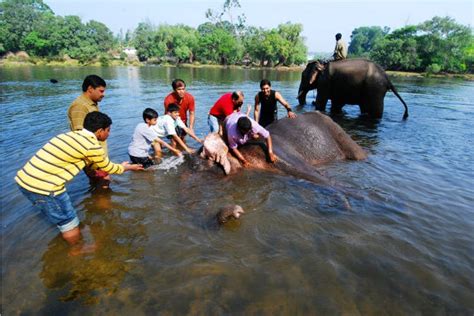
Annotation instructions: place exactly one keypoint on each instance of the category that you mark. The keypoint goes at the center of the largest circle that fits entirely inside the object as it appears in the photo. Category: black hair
(150, 114)
(338, 36)
(177, 83)
(94, 81)
(236, 95)
(172, 107)
(96, 120)
(244, 124)
(265, 82)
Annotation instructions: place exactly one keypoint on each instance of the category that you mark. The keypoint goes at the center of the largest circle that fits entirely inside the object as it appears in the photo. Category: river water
(406, 245)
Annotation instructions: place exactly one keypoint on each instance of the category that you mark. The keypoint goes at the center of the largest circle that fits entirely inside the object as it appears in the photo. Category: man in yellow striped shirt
(42, 180)
(93, 91)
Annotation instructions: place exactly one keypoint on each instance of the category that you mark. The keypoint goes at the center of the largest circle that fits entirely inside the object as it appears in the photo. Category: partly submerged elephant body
(350, 81)
(301, 144)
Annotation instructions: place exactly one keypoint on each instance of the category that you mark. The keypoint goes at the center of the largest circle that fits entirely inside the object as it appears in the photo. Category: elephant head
(309, 79)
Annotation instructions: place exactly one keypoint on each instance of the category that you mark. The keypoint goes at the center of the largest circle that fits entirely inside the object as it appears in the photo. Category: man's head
(173, 110)
(179, 86)
(265, 86)
(150, 116)
(237, 99)
(338, 36)
(94, 87)
(99, 124)
(244, 125)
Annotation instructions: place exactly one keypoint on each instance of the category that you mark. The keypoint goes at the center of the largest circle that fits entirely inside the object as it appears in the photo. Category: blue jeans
(213, 123)
(58, 209)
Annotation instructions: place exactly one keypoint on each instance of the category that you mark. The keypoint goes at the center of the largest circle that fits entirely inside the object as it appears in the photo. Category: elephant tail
(391, 87)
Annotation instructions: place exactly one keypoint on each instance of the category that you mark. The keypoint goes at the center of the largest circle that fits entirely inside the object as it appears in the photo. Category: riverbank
(469, 77)
(121, 63)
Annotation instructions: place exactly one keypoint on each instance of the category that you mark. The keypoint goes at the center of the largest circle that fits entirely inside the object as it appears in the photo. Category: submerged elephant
(350, 81)
(301, 144)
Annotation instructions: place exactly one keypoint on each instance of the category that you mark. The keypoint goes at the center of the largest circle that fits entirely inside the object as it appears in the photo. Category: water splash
(169, 163)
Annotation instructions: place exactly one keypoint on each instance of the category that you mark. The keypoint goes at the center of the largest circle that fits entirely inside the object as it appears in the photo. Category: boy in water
(168, 126)
(42, 180)
(143, 138)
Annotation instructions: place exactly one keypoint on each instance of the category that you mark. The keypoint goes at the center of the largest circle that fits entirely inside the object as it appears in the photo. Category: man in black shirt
(268, 98)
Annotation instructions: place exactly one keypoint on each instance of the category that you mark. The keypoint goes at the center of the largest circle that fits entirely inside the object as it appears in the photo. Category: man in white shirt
(143, 138)
(166, 126)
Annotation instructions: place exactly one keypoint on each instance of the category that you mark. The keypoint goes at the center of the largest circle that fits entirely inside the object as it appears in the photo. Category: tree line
(439, 44)
(31, 26)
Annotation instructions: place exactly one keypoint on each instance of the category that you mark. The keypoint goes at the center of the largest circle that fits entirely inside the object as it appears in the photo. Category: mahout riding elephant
(349, 81)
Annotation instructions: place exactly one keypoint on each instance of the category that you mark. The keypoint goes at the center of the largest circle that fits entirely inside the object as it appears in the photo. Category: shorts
(180, 132)
(58, 209)
(213, 123)
(144, 161)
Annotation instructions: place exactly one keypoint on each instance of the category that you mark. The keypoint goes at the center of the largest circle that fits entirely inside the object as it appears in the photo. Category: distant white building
(130, 51)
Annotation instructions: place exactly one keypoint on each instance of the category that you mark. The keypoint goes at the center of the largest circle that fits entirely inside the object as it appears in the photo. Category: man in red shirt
(222, 108)
(185, 101)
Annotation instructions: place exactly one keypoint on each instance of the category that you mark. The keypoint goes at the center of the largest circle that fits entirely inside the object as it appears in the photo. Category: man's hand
(291, 114)
(134, 167)
(245, 163)
(273, 157)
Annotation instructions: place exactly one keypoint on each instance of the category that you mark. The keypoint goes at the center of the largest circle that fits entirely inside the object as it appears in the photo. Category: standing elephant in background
(350, 81)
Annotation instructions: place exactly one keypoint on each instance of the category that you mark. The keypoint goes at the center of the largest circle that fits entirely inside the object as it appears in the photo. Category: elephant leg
(363, 106)
(320, 103)
(336, 107)
(375, 107)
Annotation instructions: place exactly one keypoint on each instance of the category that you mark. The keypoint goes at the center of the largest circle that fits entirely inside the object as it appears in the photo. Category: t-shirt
(61, 159)
(234, 137)
(142, 138)
(268, 108)
(77, 112)
(187, 104)
(166, 126)
(340, 51)
(223, 107)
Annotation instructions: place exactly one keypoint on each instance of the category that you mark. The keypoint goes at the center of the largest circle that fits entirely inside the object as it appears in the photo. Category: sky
(321, 19)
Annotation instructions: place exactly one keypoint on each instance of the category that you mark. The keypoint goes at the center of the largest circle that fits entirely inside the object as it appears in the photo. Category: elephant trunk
(302, 95)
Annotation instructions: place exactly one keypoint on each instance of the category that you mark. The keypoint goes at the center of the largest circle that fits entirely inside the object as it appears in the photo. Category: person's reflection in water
(119, 238)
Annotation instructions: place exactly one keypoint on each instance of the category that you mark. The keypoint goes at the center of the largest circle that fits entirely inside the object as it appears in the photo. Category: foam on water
(168, 163)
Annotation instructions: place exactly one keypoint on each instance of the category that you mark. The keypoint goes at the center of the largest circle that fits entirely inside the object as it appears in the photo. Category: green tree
(398, 50)
(281, 46)
(444, 42)
(217, 44)
(144, 41)
(17, 18)
(364, 38)
(291, 50)
(99, 35)
(469, 55)
(178, 41)
(439, 44)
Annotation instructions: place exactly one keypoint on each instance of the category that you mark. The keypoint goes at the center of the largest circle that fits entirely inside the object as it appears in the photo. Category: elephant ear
(314, 76)
(318, 67)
